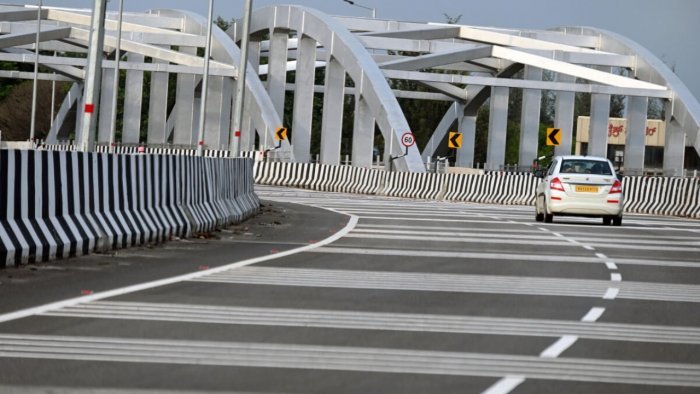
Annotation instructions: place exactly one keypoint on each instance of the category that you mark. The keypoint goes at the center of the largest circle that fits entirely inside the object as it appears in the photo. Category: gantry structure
(291, 46)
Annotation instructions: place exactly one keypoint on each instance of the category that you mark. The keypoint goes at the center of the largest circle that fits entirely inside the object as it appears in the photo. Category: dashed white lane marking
(593, 315)
(601, 256)
(611, 265)
(615, 277)
(559, 346)
(611, 293)
(588, 247)
(542, 229)
(505, 385)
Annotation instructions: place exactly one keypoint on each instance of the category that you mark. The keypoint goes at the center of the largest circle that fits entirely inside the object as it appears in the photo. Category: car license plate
(586, 189)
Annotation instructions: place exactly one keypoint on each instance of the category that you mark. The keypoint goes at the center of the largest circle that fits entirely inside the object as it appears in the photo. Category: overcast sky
(670, 29)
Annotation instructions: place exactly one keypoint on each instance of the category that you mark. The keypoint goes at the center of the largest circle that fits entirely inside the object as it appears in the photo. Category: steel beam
(598, 131)
(158, 108)
(467, 126)
(304, 100)
(133, 98)
(530, 118)
(277, 75)
(498, 128)
(363, 134)
(636, 134)
(564, 116)
(332, 118)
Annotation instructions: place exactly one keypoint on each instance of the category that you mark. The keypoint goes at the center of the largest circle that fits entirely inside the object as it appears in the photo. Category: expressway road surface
(334, 293)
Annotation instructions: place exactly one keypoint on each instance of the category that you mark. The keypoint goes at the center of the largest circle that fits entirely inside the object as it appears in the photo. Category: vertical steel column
(247, 123)
(467, 126)
(184, 105)
(247, 142)
(636, 134)
(363, 134)
(93, 77)
(498, 128)
(600, 117)
(133, 99)
(158, 108)
(218, 113)
(674, 145)
(332, 121)
(530, 119)
(106, 96)
(277, 69)
(564, 116)
(304, 99)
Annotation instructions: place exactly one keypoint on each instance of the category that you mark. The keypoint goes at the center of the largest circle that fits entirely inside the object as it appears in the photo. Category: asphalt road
(337, 293)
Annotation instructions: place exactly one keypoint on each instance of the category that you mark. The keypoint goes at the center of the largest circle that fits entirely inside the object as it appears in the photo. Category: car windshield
(583, 166)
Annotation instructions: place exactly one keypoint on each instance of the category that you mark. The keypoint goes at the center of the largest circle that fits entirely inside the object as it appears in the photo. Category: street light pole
(93, 77)
(374, 10)
(32, 125)
(205, 82)
(240, 83)
(115, 85)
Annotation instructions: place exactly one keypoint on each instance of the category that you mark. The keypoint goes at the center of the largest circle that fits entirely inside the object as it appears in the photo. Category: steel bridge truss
(292, 47)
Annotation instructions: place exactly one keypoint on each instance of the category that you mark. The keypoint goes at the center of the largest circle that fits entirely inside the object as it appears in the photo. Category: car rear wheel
(548, 217)
(538, 216)
(617, 221)
(606, 220)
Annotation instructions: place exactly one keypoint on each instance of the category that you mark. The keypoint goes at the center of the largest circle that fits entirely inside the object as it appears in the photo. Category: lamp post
(374, 10)
(240, 84)
(32, 126)
(205, 82)
(115, 85)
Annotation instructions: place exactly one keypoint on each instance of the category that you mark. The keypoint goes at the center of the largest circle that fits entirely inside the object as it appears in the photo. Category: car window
(552, 166)
(584, 166)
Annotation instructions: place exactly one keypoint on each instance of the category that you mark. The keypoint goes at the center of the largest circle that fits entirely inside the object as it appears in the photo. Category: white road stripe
(511, 239)
(613, 266)
(611, 293)
(483, 284)
(615, 277)
(360, 320)
(558, 347)
(498, 256)
(594, 314)
(274, 355)
(601, 256)
(505, 385)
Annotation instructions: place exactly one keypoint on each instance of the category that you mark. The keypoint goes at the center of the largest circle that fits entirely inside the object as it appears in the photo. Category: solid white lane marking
(611, 265)
(594, 314)
(176, 279)
(505, 385)
(611, 293)
(559, 346)
(615, 277)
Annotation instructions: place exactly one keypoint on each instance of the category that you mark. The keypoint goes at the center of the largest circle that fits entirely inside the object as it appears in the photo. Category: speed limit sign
(408, 139)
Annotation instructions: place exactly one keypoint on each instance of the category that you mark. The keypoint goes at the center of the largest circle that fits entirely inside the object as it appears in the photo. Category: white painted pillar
(498, 127)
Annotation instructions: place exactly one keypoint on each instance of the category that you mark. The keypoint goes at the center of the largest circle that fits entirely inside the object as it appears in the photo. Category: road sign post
(407, 140)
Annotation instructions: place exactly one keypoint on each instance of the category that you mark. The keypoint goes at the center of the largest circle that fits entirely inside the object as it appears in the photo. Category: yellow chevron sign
(455, 140)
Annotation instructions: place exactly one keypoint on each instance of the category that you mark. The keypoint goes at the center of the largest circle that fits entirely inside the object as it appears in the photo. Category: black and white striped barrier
(57, 204)
(653, 195)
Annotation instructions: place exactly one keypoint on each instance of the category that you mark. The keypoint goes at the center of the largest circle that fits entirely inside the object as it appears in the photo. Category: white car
(579, 186)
